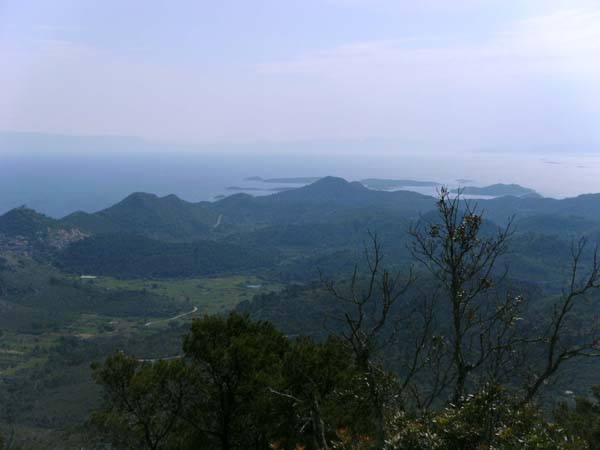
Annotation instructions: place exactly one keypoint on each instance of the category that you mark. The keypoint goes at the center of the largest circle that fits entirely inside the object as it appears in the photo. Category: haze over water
(352, 88)
(60, 183)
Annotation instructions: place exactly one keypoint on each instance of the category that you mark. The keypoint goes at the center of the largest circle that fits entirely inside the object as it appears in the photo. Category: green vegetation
(160, 217)
(210, 295)
(24, 222)
(52, 326)
(162, 262)
(135, 256)
(243, 385)
(457, 364)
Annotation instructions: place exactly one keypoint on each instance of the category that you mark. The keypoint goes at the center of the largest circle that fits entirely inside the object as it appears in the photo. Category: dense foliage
(135, 256)
(242, 384)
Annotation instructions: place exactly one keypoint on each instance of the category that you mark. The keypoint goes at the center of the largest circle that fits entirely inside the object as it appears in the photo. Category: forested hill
(320, 225)
(163, 217)
(25, 222)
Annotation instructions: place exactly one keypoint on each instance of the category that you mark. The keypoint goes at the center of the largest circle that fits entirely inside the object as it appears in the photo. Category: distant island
(378, 184)
(389, 184)
(274, 189)
(292, 180)
(499, 190)
(382, 184)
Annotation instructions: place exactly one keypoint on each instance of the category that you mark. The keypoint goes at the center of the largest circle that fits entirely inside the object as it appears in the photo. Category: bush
(490, 419)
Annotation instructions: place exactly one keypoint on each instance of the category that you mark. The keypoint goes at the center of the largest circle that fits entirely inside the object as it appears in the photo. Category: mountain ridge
(171, 218)
(498, 190)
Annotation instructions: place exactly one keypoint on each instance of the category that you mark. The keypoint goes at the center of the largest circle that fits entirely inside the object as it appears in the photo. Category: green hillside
(153, 264)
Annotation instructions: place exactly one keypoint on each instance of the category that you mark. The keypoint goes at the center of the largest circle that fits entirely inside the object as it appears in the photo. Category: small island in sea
(253, 188)
(382, 184)
(379, 184)
(499, 190)
(389, 184)
(292, 180)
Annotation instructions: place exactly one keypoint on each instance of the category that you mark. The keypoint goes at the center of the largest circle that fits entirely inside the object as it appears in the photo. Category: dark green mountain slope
(135, 256)
(27, 232)
(25, 222)
(584, 206)
(556, 224)
(167, 218)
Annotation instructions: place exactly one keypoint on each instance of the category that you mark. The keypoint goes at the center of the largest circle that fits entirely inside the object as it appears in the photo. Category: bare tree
(371, 325)
(560, 341)
(421, 351)
(463, 262)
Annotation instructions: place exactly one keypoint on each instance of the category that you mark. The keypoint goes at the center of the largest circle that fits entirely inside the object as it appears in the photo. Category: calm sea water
(60, 183)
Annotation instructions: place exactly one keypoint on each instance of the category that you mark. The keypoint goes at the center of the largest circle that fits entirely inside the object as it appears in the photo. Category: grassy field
(192, 297)
(210, 295)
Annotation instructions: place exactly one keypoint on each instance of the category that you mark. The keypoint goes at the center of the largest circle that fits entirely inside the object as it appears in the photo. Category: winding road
(147, 324)
(218, 221)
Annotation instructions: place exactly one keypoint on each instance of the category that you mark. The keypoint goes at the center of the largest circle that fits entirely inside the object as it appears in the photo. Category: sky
(474, 74)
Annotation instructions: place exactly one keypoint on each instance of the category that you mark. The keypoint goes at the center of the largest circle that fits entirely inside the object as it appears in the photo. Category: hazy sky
(499, 74)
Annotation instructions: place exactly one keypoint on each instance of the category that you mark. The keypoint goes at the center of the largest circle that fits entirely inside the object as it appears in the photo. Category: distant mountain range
(172, 219)
(387, 184)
